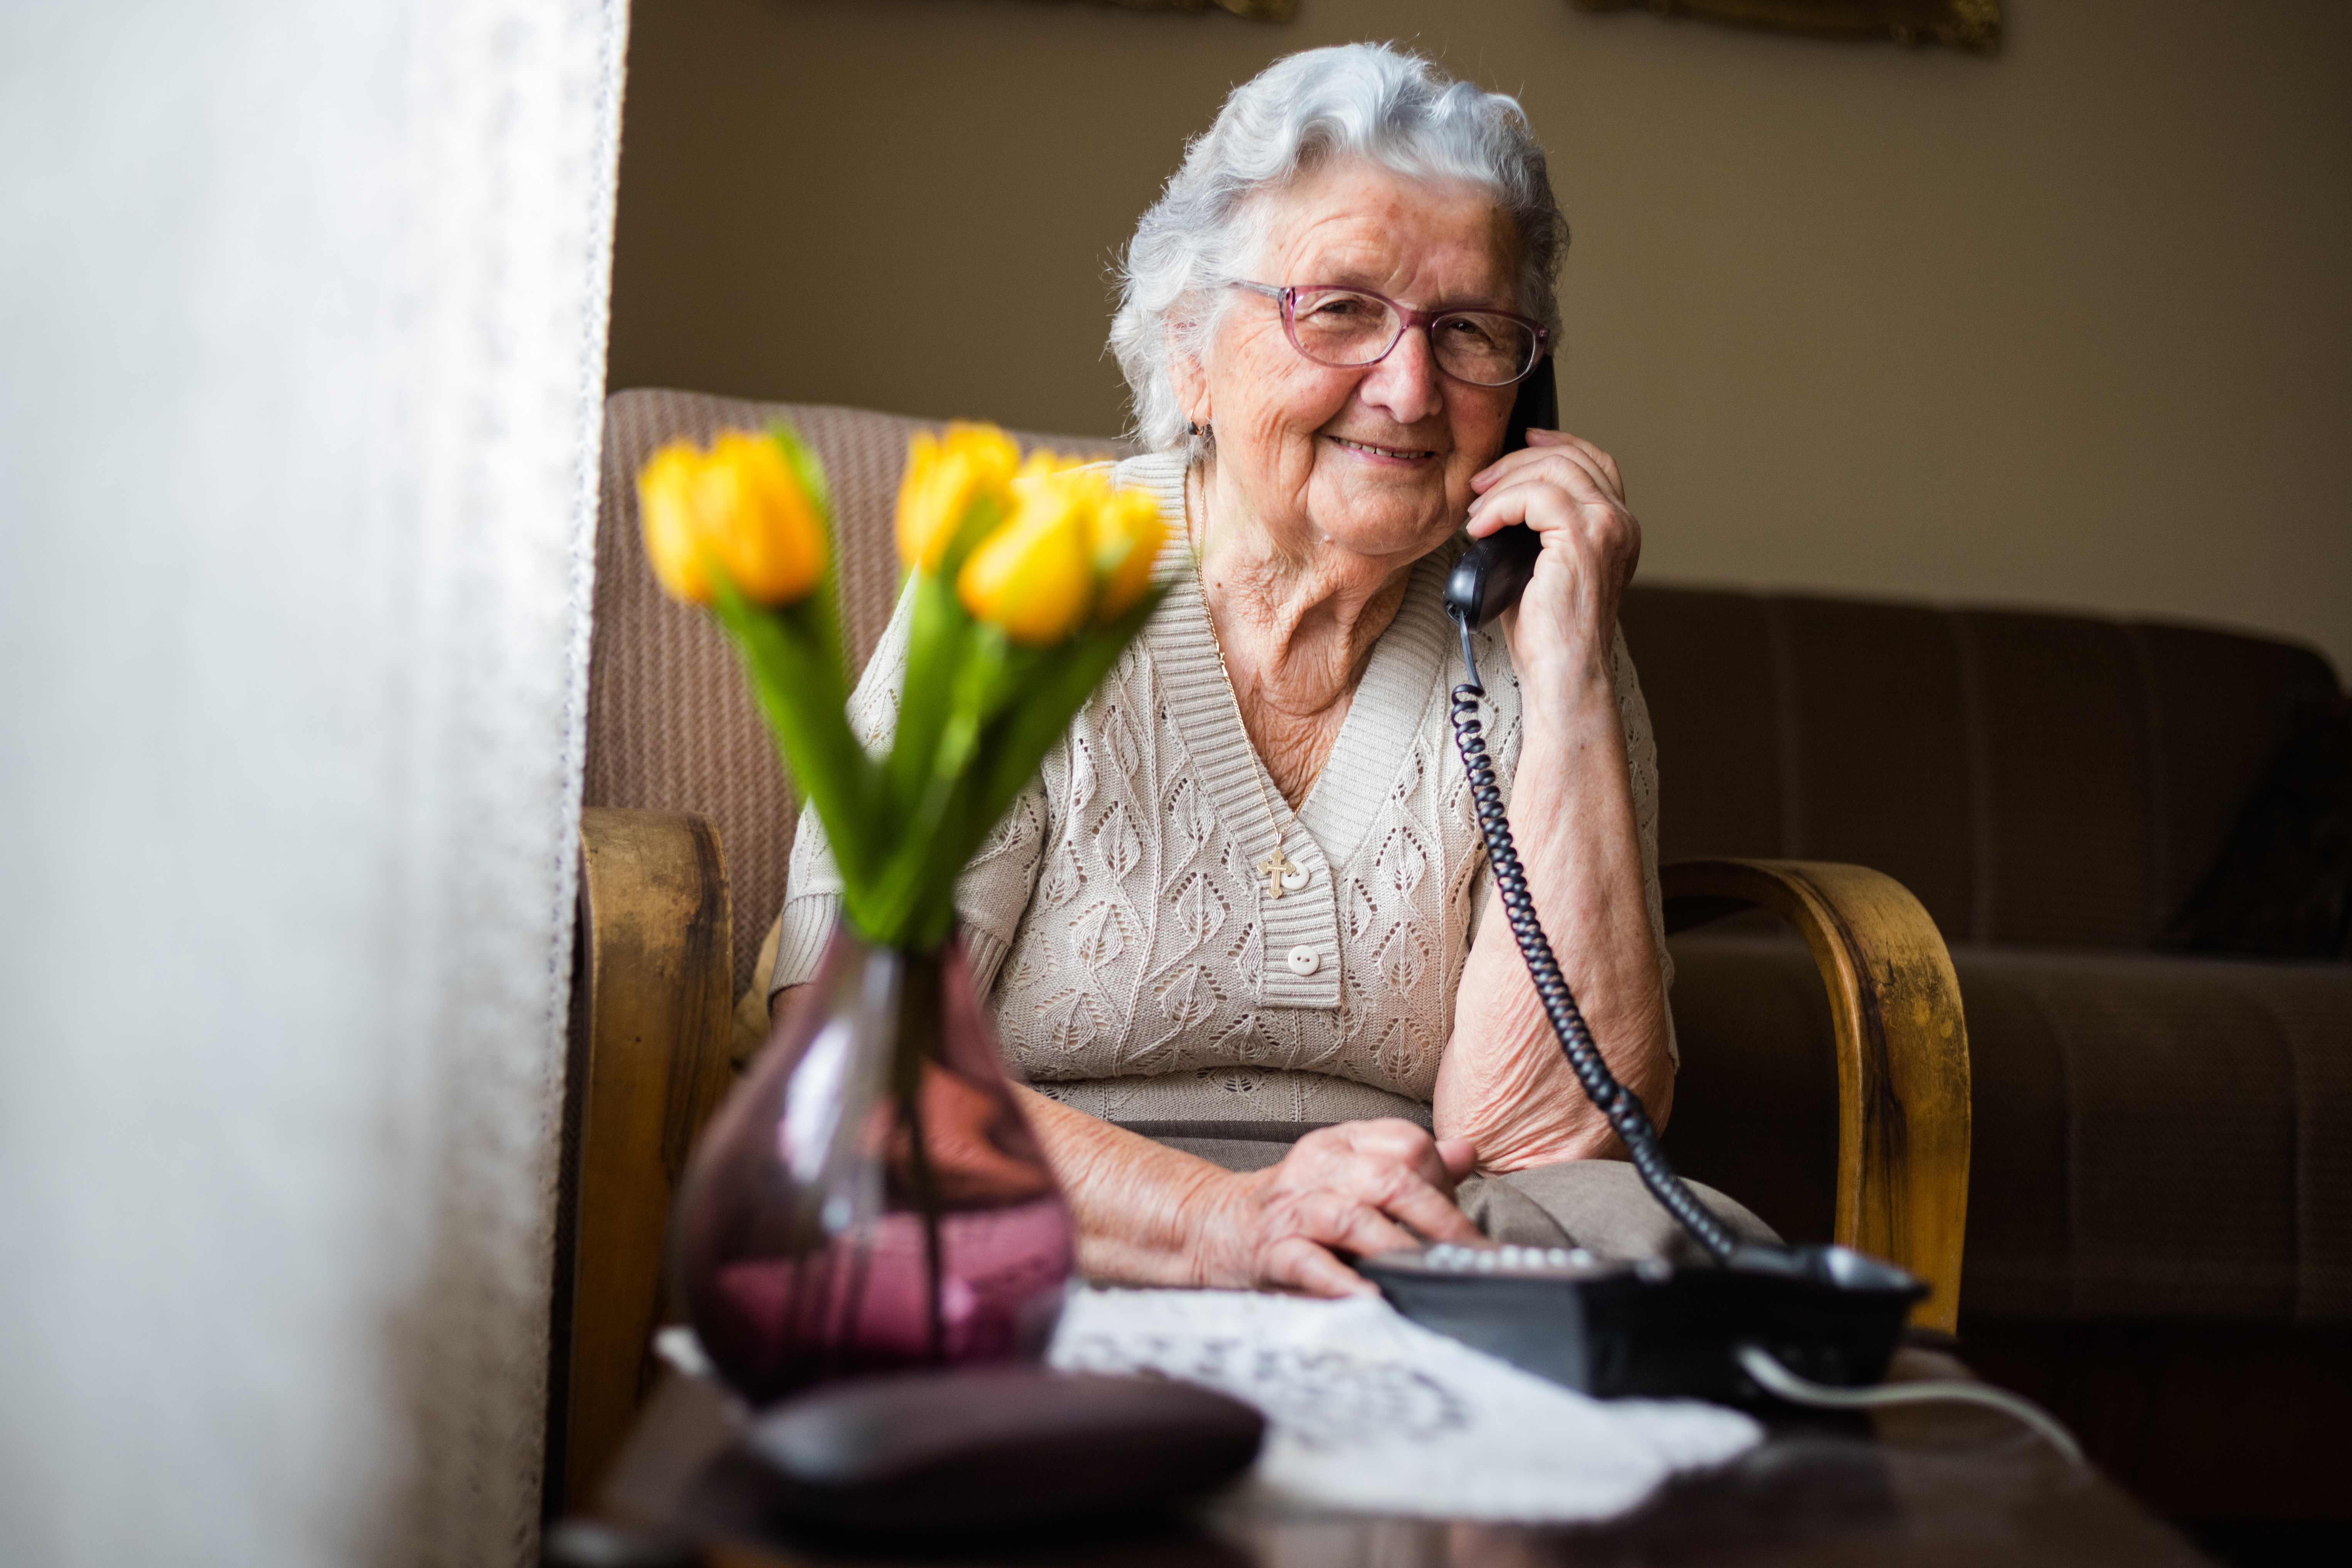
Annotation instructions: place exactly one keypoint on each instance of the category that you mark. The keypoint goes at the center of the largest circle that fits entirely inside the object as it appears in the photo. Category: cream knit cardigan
(1140, 972)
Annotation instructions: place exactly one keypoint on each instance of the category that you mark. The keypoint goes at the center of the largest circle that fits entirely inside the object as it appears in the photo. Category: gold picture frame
(1970, 24)
(1248, 10)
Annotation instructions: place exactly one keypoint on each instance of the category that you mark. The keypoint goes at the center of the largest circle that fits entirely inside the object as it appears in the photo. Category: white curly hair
(1371, 101)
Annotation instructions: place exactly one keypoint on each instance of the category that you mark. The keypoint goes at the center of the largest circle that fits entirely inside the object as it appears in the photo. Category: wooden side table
(1949, 1486)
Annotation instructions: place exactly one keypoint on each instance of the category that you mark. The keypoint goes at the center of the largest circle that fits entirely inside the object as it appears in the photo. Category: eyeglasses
(1348, 329)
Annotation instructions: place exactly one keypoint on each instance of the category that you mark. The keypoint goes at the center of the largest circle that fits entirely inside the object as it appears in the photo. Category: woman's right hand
(1355, 1187)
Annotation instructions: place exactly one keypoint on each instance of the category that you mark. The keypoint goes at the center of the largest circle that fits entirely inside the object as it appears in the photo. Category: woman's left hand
(1569, 492)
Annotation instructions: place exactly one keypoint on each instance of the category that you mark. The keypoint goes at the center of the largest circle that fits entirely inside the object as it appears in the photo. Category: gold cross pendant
(1281, 875)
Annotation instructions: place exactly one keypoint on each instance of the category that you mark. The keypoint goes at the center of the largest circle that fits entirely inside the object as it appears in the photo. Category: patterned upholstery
(670, 721)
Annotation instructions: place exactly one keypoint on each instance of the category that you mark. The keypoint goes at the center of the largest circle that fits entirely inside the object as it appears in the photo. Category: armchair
(678, 766)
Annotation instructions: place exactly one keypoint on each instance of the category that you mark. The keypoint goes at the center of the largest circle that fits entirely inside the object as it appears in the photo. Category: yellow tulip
(1126, 535)
(666, 487)
(945, 477)
(1034, 577)
(738, 506)
(762, 528)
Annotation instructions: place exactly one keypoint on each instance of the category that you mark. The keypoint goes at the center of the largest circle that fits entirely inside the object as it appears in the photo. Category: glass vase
(870, 1197)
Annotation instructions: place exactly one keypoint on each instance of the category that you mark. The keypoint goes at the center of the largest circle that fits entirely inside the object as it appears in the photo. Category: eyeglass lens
(1341, 328)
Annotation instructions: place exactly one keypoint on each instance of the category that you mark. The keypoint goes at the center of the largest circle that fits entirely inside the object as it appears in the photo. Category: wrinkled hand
(1354, 1188)
(1569, 491)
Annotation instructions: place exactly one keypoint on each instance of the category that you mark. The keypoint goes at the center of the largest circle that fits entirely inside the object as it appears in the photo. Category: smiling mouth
(1402, 453)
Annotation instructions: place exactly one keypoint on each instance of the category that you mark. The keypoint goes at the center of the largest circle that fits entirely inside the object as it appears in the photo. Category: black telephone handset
(1493, 571)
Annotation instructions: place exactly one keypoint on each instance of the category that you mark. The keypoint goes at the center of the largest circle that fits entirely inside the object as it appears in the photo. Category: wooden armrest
(650, 1021)
(1902, 1051)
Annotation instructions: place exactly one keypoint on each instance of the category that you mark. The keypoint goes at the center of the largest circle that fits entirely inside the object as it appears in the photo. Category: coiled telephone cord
(1619, 1104)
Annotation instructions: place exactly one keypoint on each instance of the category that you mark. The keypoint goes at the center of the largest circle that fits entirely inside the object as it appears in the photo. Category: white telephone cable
(1760, 1364)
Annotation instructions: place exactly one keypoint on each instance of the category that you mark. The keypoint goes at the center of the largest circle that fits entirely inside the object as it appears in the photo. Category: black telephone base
(1653, 1330)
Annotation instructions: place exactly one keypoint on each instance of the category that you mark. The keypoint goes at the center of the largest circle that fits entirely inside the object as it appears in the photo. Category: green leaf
(824, 605)
(807, 467)
(928, 836)
(938, 632)
(1015, 703)
(1029, 729)
(980, 519)
(797, 679)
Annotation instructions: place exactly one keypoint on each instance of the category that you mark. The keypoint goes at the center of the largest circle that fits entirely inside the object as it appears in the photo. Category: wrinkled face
(1375, 460)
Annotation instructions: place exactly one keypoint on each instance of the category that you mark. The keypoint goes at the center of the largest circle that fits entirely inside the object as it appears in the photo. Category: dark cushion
(2153, 1136)
(2033, 779)
(2281, 886)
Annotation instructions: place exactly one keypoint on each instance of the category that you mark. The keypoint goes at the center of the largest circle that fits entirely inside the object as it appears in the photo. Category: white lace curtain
(303, 308)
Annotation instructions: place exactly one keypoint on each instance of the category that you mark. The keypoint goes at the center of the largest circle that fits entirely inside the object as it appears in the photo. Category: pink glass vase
(870, 1196)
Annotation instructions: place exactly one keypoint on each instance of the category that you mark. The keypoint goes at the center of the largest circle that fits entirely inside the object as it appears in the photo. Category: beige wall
(2072, 326)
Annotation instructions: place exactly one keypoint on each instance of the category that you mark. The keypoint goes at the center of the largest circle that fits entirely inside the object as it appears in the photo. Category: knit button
(1304, 959)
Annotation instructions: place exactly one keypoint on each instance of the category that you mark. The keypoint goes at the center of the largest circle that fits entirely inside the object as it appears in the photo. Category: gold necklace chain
(1281, 873)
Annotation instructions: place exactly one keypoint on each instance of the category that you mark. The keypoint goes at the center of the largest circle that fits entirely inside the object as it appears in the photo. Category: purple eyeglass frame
(1287, 296)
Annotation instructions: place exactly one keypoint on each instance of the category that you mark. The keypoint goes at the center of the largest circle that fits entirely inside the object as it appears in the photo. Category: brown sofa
(2159, 1228)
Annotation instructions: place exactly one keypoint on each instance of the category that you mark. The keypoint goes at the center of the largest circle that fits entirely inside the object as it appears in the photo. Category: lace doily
(1369, 1412)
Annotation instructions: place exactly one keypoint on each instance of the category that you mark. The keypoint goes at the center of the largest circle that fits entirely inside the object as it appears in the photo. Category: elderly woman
(1240, 935)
